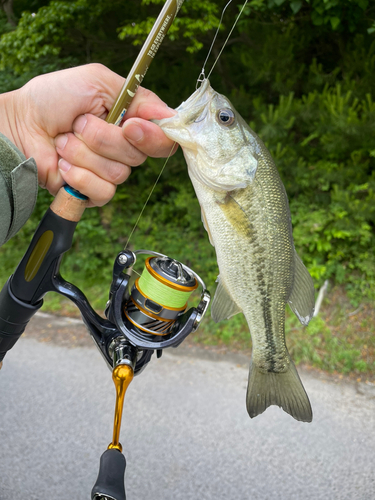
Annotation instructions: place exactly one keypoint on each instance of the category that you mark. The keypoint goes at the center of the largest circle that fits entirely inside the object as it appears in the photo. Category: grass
(340, 340)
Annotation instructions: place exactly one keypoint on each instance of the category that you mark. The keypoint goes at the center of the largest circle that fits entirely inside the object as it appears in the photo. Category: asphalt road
(186, 432)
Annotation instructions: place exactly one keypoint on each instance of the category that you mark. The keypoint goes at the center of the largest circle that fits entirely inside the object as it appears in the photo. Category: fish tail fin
(282, 389)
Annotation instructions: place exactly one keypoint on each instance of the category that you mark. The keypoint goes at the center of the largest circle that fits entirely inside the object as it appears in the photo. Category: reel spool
(160, 295)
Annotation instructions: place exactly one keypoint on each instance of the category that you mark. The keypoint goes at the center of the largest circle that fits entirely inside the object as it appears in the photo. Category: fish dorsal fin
(223, 306)
(302, 297)
(205, 225)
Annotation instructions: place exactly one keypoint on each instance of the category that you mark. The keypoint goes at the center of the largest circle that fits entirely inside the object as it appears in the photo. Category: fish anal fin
(223, 306)
(282, 389)
(302, 297)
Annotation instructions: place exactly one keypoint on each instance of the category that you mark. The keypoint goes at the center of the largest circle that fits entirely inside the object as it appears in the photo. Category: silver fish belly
(246, 214)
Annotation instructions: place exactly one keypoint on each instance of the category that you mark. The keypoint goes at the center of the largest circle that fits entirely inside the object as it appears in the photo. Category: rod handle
(69, 204)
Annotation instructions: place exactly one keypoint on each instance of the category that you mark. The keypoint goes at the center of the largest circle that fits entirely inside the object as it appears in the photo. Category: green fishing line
(160, 293)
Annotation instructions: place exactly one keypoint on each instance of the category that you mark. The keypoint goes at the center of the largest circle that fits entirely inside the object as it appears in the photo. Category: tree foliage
(301, 72)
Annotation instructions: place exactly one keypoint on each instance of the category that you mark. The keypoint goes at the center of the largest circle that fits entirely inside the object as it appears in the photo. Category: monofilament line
(201, 76)
(149, 196)
(226, 41)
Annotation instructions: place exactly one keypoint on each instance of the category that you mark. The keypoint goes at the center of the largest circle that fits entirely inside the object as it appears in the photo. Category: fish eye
(225, 117)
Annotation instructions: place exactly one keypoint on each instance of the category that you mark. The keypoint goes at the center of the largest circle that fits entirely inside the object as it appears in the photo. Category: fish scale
(246, 213)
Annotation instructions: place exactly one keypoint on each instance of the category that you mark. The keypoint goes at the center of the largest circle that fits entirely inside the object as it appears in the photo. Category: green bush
(323, 144)
(300, 72)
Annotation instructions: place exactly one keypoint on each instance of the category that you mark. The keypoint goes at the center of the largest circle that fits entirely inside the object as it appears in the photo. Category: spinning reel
(150, 311)
(143, 314)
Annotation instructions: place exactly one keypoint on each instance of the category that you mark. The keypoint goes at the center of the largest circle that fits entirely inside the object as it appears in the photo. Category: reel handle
(110, 482)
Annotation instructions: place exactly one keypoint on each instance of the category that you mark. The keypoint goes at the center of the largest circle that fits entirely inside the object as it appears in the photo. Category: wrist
(9, 119)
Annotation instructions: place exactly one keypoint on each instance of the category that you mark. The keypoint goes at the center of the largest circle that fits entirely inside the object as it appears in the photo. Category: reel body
(144, 312)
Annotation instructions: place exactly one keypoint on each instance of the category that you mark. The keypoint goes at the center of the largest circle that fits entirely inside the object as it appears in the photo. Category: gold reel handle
(122, 375)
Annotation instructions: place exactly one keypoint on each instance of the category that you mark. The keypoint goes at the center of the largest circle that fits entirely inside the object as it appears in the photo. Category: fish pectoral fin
(302, 297)
(205, 225)
(223, 306)
(282, 389)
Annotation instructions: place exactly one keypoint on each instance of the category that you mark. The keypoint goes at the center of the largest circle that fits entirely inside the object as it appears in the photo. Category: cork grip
(68, 206)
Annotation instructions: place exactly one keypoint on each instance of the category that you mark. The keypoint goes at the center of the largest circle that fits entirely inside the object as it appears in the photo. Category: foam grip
(110, 482)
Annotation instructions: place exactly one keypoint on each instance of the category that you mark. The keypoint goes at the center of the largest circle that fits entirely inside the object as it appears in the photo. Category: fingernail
(61, 140)
(64, 165)
(79, 124)
(133, 132)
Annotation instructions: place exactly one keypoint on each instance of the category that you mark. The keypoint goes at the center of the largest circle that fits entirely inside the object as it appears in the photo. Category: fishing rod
(141, 318)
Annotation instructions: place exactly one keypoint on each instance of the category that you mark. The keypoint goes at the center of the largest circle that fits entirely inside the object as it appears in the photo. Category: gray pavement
(186, 432)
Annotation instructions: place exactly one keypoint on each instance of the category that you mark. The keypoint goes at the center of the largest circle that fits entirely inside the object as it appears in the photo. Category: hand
(58, 119)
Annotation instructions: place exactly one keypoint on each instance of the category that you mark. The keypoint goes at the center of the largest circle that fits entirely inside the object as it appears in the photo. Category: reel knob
(110, 482)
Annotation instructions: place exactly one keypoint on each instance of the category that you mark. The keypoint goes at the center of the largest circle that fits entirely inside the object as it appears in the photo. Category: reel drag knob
(160, 295)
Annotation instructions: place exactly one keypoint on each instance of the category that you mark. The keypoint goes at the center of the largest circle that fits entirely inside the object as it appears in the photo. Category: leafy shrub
(301, 73)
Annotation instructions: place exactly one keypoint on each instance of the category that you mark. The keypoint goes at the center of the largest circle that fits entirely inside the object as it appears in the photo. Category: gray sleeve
(18, 189)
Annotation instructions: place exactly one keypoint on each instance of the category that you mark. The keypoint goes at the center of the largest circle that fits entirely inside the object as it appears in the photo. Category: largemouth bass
(246, 213)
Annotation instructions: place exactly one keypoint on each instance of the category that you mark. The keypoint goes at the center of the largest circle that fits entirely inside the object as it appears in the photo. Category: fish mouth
(195, 98)
(193, 107)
